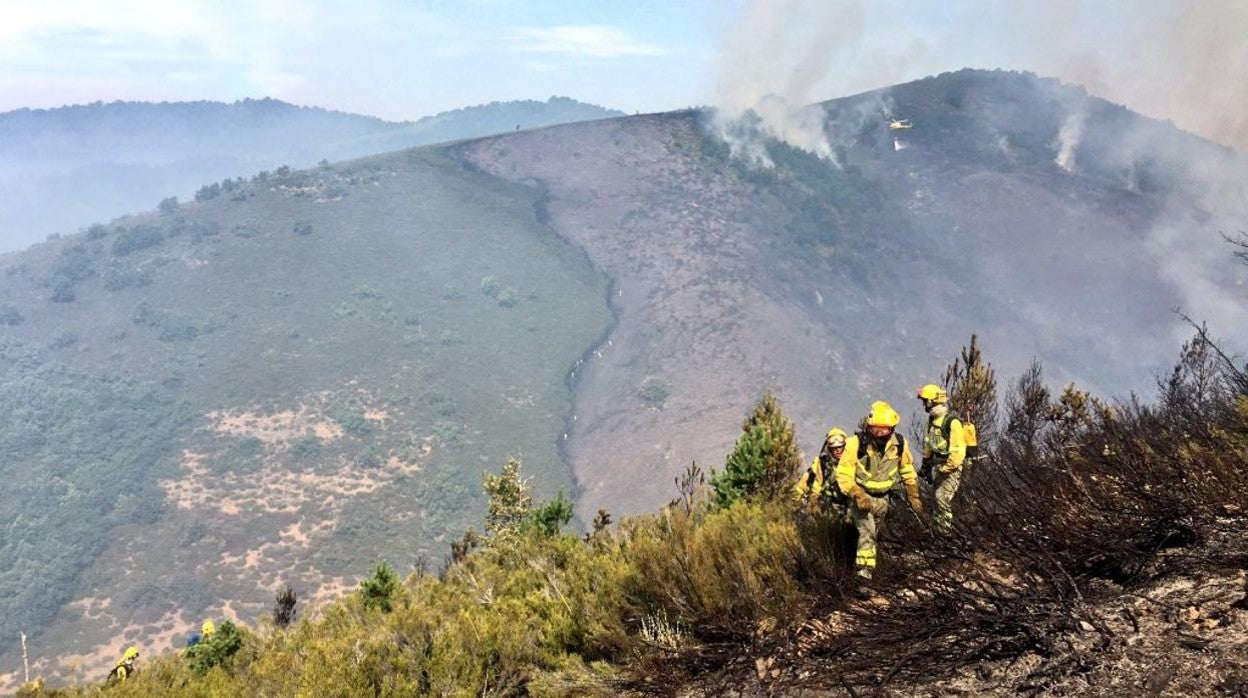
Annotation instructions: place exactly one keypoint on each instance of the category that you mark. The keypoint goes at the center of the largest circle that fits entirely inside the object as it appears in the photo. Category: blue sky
(398, 59)
(403, 59)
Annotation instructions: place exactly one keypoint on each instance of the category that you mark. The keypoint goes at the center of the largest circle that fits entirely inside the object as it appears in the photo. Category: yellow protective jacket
(876, 472)
(946, 455)
(810, 484)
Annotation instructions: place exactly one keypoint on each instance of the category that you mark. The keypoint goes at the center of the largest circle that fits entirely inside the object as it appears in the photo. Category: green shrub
(208, 192)
(168, 205)
(552, 516)
(173, 327)
(245, 231)
(352, 422)
(63, 293)
(507, 298)
(723, 572)
(371, 457)
(202, 230)
(73, 265)
(307, 446)
(118, 277)
(139, 237)
(215, 649)
(653, 390)
(96, 231)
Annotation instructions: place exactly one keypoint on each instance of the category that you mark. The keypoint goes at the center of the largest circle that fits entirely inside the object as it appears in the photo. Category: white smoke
(1169, 59)
(1068, 139)
(772, 62)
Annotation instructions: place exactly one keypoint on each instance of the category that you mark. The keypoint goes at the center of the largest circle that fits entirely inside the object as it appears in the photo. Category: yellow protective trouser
(946, 488)
(867, 523)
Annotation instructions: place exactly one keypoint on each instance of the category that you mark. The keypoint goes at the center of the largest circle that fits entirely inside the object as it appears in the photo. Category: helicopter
(899, 124)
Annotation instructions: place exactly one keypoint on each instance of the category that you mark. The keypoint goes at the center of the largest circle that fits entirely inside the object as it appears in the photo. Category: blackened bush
(284, 610)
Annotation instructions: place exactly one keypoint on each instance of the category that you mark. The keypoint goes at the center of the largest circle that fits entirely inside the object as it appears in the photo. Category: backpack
(121, 672)
(947, 427)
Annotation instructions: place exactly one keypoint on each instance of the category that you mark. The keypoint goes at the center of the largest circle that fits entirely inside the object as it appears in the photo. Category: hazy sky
(406, 58)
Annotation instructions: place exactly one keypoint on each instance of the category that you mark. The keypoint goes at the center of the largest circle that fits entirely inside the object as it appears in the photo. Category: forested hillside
(280, 385)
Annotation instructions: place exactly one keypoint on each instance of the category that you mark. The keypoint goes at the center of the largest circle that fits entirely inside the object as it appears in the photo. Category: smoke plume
(773, 61)
(1068, 139)
(1169, 59)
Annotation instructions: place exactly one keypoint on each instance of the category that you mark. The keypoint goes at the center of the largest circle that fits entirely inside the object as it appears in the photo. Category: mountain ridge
(65, 168)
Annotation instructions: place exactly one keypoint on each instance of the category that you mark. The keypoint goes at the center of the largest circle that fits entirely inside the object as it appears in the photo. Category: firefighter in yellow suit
(815, 489)
(944, 451)
(873, 461)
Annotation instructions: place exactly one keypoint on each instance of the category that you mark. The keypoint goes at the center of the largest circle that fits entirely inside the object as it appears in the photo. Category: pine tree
(763, 460)
(378, 590)
(972, 387)
(551, 516)
(510, 500)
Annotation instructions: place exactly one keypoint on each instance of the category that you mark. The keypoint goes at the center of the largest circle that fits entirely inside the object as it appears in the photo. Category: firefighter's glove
(912, 494)
(861, 499)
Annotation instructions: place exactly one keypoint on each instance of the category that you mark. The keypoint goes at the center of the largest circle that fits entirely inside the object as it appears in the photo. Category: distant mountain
(63, 169)
(307, 370)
